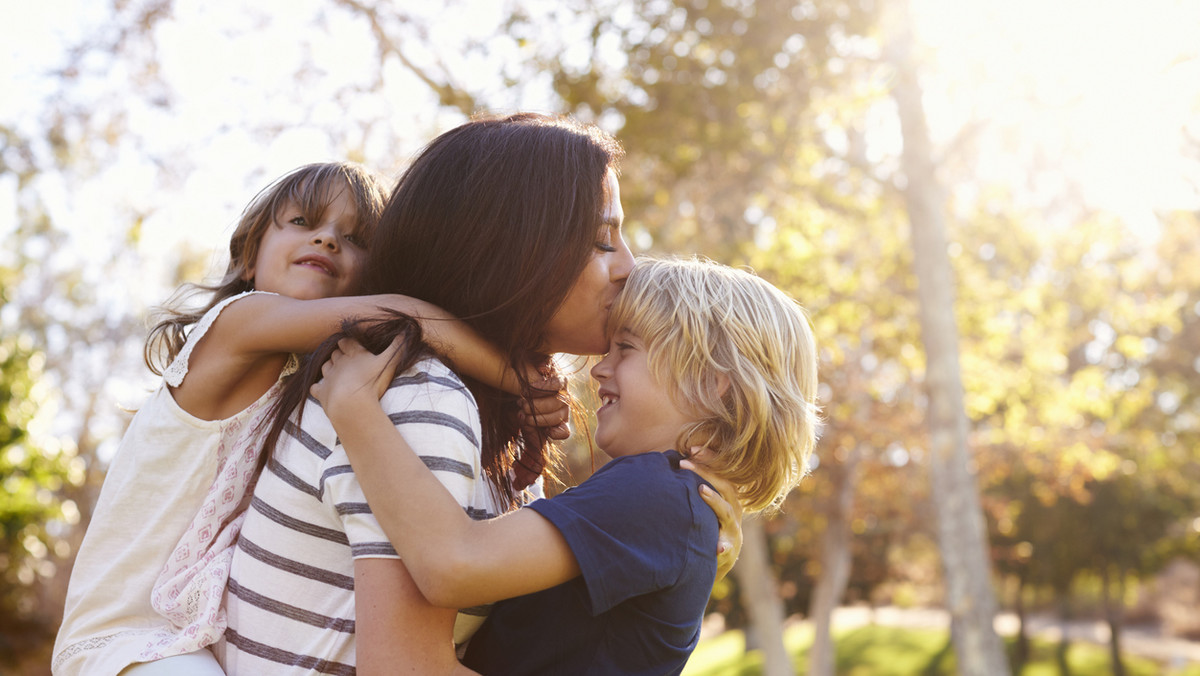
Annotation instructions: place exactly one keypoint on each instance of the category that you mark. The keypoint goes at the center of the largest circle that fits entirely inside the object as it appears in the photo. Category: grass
(894, 651)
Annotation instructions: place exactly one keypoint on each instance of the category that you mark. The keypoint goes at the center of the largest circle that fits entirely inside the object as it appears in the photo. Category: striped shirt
(290, 598)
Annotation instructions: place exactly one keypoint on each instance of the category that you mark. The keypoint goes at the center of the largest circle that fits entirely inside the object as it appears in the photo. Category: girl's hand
(353, 377)
(725, 504)
(547, 411)
(545, 415)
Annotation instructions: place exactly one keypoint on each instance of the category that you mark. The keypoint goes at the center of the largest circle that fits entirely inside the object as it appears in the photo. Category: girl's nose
(325, 237)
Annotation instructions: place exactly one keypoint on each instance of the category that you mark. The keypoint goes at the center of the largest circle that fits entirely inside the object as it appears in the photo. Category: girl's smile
(306, 260)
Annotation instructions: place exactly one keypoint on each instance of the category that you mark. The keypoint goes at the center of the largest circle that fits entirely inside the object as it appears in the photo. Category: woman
(514, 225)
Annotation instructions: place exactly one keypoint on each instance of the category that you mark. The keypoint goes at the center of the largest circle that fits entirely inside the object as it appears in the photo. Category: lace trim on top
(175, 372)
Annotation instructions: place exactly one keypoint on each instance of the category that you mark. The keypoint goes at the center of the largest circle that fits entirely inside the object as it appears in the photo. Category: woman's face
(579, 325)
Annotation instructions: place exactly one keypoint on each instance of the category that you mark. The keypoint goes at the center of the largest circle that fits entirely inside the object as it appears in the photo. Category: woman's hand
(725, 504)
(354, 377)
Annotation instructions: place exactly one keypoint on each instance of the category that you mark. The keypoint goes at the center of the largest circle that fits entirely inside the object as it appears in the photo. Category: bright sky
(1101, 87)
(1111, 82)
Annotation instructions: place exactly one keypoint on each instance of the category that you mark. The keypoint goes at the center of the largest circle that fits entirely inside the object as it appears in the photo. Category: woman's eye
(605, 247)
(624, 346)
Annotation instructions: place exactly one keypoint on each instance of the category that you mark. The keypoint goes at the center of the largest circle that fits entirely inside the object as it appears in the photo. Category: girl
(513, 224)
(192, 451)
(610, 577)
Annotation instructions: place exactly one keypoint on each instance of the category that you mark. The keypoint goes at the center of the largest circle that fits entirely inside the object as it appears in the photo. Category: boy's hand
(725, 504)
(353, 377)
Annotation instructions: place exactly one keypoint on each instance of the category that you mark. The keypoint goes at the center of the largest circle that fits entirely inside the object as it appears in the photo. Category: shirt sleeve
(439, 420)
(629, 526)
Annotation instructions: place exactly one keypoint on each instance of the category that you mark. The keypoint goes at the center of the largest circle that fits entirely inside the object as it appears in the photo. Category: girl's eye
(300, 221)
(356, 241)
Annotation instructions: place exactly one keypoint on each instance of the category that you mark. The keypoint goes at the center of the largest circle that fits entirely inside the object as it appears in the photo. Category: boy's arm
(455, 561)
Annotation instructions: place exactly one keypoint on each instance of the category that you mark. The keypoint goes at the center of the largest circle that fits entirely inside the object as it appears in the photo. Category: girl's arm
(397, 630)
(244, 349)
(263, 324)
(455, 561)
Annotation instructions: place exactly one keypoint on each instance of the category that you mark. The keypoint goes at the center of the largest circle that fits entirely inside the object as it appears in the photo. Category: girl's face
(579, 325)
(637, 414)
(306, 260)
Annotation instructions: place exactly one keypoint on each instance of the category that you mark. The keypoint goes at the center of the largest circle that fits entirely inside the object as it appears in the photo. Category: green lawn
(892, 651)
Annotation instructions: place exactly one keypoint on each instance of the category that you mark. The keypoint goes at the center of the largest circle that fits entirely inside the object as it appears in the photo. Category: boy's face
(306, 260)
(636, 414)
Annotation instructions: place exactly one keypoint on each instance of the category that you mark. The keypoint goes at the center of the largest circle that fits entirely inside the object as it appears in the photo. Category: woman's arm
(396, 630)
(455, 561)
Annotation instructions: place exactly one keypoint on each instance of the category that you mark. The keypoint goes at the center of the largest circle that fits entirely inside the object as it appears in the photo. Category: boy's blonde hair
(740, 355)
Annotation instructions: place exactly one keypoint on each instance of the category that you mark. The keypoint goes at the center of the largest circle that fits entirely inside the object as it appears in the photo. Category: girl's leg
(199, 663)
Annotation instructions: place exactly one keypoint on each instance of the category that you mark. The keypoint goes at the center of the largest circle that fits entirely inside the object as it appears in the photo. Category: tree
(32, 471)
(961, 531)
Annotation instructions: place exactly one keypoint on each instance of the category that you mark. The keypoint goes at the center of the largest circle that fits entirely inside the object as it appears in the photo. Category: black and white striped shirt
(290, 598)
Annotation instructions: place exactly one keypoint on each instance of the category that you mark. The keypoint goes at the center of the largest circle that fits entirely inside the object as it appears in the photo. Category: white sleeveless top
(163, 528)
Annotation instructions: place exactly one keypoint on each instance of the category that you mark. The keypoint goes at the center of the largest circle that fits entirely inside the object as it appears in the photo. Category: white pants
(199, 663)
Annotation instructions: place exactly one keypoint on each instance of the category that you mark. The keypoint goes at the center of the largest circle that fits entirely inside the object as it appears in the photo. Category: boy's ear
(723, 384)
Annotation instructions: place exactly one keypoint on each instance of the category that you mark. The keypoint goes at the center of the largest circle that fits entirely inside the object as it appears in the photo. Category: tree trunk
(1114, 615)
(760, 596)
(1021, 650)
(961, 534)
(1064, 641)
(835, 569)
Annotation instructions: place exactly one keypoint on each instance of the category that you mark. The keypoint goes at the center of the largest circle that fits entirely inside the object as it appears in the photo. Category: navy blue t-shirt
(646, 545)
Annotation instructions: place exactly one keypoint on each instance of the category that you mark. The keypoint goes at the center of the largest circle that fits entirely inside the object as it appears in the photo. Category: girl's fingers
(548, 418)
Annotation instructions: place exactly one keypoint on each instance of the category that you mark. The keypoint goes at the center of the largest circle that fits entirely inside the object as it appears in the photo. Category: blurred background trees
(765, 134)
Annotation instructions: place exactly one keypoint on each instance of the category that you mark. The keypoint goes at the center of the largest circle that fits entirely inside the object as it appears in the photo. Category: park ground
(894, 641)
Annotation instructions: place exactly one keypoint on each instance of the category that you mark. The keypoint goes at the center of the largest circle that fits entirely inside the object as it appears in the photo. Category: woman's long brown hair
(493, 221)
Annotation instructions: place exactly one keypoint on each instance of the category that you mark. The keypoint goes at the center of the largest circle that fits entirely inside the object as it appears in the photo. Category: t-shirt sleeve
(438, 418)
(629, 526)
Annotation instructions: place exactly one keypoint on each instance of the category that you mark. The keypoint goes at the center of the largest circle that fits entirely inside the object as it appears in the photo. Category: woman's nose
(624, 263)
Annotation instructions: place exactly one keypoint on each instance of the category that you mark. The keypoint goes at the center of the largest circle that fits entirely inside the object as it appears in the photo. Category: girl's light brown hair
(740, 355)
(312, 188)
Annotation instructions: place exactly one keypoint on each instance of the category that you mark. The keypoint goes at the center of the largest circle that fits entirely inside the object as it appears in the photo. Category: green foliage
(895, 651)
(29, 478)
